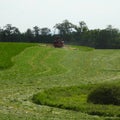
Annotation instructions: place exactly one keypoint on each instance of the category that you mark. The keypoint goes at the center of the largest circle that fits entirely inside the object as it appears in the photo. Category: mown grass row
(81, 48)
(33, 63)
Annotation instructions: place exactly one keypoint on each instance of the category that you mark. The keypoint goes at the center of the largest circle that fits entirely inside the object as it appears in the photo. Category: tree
(9, 30)
(64, 28)
(113, 37)
(81, 28)
(45, 31)
(29, 35)
(36, 31)
(70, 33)
(10, 33)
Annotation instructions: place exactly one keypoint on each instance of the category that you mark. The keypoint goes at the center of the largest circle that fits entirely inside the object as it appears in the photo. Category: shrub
(74, 98)
(105, 94)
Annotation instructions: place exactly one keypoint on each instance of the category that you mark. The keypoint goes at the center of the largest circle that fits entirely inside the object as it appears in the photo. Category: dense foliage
(70, 33)
(105, 94)
(74, 98)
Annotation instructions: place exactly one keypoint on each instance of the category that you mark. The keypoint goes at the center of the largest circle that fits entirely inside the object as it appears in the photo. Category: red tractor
(58, 42)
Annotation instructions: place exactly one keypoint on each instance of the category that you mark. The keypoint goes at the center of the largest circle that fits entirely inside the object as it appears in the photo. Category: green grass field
(27, 69)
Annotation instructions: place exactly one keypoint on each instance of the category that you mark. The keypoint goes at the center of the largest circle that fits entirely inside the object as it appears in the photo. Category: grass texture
(27, 69)
(75, 98)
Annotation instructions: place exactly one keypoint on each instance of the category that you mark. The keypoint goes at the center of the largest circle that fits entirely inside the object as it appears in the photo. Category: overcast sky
(46, 13)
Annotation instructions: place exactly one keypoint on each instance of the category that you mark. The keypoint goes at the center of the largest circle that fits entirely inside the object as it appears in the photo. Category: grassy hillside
(32, 68)
(8, 50)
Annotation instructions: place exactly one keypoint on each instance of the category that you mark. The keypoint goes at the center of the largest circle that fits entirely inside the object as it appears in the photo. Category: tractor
(58, 43)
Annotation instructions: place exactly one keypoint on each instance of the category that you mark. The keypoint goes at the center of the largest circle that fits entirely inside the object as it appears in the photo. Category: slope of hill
(37, 67)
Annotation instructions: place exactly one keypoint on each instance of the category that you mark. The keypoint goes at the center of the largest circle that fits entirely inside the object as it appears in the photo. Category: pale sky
(46, 13)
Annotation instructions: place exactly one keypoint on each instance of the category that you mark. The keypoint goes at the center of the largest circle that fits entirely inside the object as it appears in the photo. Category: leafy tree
(108, 38)
(81, 28)
(10, 33)
(29, 35)
(36, 31)
(10, 30)
(64, 28)
(70, 33)
(45, 31)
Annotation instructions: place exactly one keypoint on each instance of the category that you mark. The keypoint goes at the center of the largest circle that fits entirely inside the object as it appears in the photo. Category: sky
(46, 13)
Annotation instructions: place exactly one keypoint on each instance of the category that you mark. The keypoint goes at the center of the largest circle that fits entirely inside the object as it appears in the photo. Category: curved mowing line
(44, 64)
(44, 61)
(34, 66)
(36, 59)
(41, 62)
(53, 65)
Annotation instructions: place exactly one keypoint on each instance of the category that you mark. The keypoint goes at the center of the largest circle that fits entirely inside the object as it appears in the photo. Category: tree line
(108, 38)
